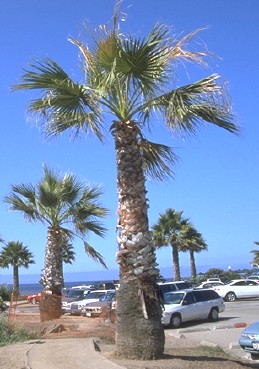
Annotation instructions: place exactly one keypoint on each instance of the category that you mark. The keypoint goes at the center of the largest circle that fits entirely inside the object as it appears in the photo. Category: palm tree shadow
(202, 358)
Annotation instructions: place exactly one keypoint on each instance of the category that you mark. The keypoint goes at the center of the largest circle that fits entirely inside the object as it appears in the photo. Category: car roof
(172, 282)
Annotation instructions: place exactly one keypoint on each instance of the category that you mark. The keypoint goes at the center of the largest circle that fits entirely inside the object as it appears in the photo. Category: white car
(208, 284)
(76, 307)
(186, 305)
(238, 289)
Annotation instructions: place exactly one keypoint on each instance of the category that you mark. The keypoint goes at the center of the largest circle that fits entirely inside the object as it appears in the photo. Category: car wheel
(175, 321)
(254, 356)
(230, 297)
(33, 301)
(214, 314)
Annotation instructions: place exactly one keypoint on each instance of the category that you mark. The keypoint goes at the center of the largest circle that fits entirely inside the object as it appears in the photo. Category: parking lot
(226, 331)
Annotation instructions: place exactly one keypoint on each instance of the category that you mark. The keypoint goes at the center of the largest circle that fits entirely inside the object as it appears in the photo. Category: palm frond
(158, 160)
(63, 103)
(187, 107)
(93, 254)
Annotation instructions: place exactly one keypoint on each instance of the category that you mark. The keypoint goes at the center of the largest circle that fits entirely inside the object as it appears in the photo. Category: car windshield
(173, 298)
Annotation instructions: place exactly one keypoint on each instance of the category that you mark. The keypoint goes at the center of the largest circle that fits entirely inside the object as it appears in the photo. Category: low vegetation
(11, 333)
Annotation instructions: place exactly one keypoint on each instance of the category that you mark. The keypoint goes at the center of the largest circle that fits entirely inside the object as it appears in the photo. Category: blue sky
(216, 178)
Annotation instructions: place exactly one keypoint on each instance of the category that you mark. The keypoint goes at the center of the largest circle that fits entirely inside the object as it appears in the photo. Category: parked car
(249, 340)
(76, 307)
(99, 307)
(187, 305)
(34, 298)
(165, 287)
(211, 284)
(255, 277)
(73, 295)
(238, 289)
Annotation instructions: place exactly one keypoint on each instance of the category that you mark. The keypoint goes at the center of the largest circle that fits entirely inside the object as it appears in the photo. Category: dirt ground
(179, 353)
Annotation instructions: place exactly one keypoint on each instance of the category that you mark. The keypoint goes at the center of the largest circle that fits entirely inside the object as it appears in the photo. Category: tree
(69, 209)
(171, 230)
(255, 261)
(17, 255)
(67, 254)
(132, 79)
(194, 242)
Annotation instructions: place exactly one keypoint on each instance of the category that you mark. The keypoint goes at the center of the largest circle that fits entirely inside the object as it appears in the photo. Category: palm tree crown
(17, 255)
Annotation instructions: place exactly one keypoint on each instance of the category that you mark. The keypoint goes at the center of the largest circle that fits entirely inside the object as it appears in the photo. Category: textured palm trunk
(50, 303)
(176, 264)
(15, 281)
(139, 334)
(192, 264)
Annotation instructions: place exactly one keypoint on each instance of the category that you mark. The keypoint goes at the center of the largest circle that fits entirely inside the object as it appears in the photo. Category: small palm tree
(171, 230)
(17, 255)
(67, 254)
(132, 78)
(69, 209)
(194, 242)
(255, 261)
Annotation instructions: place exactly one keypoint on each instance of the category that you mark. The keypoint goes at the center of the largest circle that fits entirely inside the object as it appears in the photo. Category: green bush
(11, 334)
(5, 293)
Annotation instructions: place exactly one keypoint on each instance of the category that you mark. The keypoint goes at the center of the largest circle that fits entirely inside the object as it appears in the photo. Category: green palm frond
(186, 107)
(93, 254)
(158, 160)
(63, 103)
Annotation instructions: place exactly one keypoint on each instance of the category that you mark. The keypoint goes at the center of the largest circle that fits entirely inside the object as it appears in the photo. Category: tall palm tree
(255, 261)
(17, 255)
(69, 209)
(194, 242)
(171, 230)
(132, 79)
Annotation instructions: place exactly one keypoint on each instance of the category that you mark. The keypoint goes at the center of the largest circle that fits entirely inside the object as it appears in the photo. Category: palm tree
(171, 230)
(255, 261)
(17, 255)
(132, 79)
(67, 254)
(69, 209)
(194, 242)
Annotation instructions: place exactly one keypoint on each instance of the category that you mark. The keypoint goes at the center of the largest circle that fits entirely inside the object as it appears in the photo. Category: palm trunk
(192, 263)
(140, 334)
(176, 264)
(15, 281)
(50, 303)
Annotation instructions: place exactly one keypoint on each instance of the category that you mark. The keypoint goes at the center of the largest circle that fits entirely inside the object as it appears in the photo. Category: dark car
(249, 340)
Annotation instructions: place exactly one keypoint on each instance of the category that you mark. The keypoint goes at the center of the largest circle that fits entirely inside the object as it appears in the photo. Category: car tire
(230, 297)
(254, 356)
(175, 321)
(33, 301)
(214, 315)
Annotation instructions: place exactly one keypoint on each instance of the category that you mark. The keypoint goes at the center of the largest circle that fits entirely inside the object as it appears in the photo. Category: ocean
(32, 288)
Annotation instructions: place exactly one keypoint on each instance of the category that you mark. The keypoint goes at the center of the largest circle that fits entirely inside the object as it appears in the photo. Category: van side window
(189, 298)
(200, 296)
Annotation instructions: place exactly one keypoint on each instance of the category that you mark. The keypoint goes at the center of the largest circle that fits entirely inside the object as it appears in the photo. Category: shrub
(11, 334)
(5, 293)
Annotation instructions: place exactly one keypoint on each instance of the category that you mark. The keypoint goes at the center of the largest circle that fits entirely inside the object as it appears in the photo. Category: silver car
(249, 340)
(186, 305)
(76, 307)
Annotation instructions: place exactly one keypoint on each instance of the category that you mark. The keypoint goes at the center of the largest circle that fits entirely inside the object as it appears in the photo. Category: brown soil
(179, 353)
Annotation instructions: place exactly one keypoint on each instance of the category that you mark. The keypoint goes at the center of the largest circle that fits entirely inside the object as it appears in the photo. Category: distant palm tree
(67, 254)
(17, 255)
(255, 261)
(69, 209)
(171, 230)
(133, 79)
(194, 242)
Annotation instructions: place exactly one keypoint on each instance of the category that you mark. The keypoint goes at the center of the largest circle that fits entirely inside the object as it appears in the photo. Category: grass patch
(10, 333)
